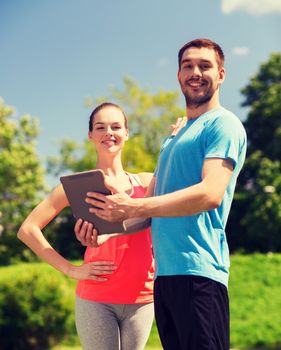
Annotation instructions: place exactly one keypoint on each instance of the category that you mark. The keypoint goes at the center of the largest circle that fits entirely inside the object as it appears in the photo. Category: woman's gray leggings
(105, 326)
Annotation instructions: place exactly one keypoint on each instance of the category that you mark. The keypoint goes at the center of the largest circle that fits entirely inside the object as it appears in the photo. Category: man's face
(199, 75)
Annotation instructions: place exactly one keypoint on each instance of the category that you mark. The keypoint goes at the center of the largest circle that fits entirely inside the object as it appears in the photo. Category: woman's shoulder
(145, 178)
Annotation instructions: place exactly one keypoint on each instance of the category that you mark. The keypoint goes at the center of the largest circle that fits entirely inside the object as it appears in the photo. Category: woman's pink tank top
(132, 282)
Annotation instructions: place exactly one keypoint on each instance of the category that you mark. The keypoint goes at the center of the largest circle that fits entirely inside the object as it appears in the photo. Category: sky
(56, 53)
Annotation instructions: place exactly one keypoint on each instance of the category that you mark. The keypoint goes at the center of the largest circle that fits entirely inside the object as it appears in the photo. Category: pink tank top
(132, 281)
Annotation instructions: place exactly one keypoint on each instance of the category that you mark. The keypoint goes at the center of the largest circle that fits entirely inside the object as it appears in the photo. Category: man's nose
(196, 71)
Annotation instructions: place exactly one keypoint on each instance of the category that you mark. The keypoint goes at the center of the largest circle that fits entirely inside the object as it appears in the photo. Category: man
(193, 189)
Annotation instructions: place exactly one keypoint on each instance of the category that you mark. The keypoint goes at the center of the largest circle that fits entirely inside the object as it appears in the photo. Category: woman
(114, 296)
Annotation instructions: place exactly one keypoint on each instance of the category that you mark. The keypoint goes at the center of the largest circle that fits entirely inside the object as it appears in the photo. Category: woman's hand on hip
(92, 271)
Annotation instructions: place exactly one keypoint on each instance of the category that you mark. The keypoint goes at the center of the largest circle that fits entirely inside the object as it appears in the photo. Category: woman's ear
(127, 134)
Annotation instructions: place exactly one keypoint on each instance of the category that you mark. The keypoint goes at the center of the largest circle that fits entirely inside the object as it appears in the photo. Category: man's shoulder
(225, 117)
(221, 112)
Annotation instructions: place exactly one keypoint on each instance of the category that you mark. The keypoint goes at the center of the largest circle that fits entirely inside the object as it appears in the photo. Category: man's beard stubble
(198, 101)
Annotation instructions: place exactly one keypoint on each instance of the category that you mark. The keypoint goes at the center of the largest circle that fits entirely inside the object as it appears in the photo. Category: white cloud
(253, 7)
(162, 62)
(240, 51)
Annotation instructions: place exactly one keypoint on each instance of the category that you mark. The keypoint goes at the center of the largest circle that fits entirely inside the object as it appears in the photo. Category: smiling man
(192, 193)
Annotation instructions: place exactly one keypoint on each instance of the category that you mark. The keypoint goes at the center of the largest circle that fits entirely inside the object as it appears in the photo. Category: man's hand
(88, 235)
(112, 208)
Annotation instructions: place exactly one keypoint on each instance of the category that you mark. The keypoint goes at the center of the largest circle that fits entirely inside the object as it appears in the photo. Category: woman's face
(109, 132)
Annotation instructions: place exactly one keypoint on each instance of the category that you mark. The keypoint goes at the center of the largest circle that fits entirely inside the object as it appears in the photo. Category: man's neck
(195, 111)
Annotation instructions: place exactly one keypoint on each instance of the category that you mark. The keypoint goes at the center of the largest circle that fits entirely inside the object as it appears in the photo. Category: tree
(262, 95)
(21, 179)
(255, 220)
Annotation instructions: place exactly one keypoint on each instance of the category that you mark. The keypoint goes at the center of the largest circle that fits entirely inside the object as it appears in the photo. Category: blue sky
(56, 53)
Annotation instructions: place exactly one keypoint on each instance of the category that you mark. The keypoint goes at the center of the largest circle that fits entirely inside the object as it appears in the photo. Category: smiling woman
(114, 296)
(108, 128)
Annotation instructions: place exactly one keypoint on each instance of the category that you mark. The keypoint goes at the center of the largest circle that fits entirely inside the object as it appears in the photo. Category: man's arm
(204, 196)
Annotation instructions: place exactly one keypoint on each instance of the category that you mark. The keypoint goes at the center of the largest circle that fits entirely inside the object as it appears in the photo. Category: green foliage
(255, 302)
(21, 179)
(258, 203)
(135, 157)
(255, 218)
(72, 157)
(262, 95)
(36, 307)
(60, 234)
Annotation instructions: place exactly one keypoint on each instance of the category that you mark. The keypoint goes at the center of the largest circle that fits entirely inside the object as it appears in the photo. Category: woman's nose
(109, 131)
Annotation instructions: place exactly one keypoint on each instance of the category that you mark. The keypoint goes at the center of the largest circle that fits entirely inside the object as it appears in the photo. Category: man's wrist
(139, 209)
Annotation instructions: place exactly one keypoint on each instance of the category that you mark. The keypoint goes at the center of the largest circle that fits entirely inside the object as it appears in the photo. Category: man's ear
(179, 75)
(221, 76)
(90, 136)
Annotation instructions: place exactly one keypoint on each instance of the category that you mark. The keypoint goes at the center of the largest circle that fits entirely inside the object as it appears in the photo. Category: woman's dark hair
(207, 43)
(102, 106)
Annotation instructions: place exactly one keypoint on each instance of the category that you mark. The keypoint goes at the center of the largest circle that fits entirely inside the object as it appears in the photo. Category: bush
(36, 307)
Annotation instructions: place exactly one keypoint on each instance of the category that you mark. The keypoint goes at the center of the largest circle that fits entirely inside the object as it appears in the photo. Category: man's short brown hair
(202, 42)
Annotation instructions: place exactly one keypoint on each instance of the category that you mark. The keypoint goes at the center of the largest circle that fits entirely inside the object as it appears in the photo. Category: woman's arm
(148, 182)
(31, 234)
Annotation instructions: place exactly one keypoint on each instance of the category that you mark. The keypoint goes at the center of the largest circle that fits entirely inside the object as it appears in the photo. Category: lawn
(254, 294)
(255, 304)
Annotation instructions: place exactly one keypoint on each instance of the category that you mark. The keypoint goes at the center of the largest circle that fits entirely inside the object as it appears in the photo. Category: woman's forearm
(35, 240)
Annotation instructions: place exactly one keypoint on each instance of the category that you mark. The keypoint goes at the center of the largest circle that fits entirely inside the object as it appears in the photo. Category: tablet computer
(76, 187)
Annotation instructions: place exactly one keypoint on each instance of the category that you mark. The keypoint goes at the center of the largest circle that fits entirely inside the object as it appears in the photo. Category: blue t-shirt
(196, 245)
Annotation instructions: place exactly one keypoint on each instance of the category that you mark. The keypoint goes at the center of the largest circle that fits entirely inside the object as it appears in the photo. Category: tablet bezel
(76, 187)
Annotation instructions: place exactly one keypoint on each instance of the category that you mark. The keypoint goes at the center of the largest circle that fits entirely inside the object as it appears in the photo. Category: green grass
(255, 301)
(255, 304)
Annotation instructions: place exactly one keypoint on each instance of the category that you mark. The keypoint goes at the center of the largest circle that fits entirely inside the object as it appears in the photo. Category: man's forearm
(189, 201)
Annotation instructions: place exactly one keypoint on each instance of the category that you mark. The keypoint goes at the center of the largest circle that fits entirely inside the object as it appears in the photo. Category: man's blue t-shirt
(196, 245)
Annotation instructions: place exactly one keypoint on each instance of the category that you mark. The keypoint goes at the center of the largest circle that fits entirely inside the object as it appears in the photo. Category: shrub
(36, 307)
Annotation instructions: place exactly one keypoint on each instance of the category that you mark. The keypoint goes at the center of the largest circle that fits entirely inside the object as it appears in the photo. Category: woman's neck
(116, 176)
(111, 166)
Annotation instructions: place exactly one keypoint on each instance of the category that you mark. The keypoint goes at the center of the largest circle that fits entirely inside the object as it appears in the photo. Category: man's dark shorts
(192, 313)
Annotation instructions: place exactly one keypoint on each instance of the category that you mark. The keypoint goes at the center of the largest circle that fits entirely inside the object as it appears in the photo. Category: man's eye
(99, 128)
